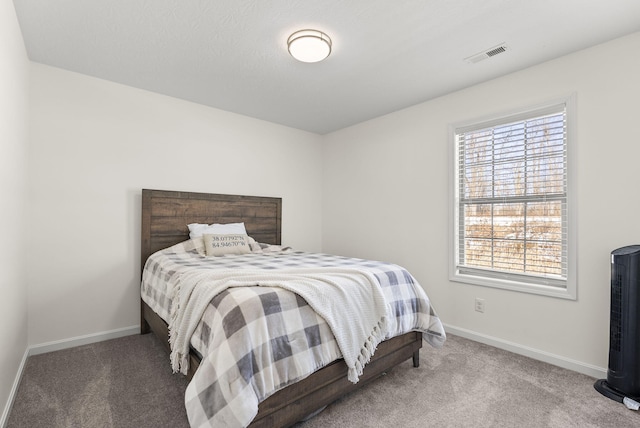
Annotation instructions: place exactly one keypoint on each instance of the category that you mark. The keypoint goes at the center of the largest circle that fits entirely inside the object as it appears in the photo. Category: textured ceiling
(387, 55)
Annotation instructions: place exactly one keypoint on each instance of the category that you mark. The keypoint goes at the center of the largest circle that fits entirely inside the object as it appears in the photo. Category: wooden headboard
(165, 215)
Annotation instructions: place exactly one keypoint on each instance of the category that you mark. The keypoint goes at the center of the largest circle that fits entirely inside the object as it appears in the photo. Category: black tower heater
(623, 375)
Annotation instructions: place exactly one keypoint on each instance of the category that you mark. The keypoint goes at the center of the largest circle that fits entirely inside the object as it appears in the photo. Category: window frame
(515, 281)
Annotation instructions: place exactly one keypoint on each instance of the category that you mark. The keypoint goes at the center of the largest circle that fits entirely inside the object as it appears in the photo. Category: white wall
(14, 91)
(94, 146)
(386, 197)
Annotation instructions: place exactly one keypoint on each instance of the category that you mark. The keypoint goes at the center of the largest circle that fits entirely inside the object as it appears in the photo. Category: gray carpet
(127, 382)
(124, 382)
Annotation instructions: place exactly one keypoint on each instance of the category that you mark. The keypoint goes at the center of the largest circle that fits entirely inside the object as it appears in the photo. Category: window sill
(523, 287)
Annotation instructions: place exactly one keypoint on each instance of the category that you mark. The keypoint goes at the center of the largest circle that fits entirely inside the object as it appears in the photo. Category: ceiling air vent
(496, 50)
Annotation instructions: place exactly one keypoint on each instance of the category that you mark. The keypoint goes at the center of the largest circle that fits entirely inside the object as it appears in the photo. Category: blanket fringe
(180, 363)
(366, 352)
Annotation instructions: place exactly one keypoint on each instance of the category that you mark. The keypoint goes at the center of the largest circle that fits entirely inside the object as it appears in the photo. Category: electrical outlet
(479, 304)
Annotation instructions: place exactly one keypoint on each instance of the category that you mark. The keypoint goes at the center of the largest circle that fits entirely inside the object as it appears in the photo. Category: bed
(165, 216)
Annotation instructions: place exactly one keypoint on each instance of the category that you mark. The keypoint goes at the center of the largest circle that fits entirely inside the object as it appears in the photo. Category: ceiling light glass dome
(309, 45)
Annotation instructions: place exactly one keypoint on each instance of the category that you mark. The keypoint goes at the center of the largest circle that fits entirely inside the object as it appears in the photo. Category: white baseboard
(14, 390)
(536, 354)
(57, 346)
(83, 340)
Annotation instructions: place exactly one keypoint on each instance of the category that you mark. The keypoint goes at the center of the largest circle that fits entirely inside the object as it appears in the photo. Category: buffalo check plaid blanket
(255, 340)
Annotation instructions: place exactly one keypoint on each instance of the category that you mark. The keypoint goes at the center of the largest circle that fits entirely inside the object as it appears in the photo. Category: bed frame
(165, 215)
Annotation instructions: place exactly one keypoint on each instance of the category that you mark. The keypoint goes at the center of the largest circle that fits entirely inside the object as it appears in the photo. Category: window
(511, 225)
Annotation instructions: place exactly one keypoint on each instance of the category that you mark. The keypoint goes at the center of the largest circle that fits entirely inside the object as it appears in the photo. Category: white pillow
(223, 244)
(196, 230)
(254, 245)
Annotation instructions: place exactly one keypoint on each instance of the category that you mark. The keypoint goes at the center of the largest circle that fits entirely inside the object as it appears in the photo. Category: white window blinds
(511, 179)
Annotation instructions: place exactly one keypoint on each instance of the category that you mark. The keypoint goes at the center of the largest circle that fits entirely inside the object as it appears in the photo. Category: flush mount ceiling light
(309, 45)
